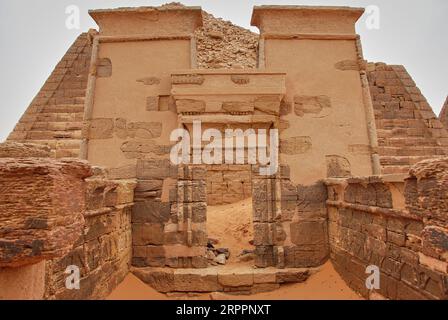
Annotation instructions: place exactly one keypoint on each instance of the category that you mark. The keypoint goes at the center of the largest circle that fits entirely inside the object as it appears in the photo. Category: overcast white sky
(33, 38)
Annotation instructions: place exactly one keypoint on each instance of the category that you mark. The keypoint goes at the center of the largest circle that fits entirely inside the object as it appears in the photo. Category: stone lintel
(288, 20)
(228, 119)
(149, 21)
(239, 85)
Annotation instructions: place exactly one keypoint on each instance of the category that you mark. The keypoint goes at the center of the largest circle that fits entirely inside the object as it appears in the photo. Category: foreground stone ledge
(237, 280)
(41, 205)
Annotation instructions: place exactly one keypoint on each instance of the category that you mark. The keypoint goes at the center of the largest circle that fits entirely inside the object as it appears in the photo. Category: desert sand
(232, 225)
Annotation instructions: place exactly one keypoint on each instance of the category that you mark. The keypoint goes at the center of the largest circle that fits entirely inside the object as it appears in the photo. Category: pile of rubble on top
(223, 45)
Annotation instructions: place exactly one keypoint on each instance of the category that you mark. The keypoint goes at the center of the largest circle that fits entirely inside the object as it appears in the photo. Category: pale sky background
(33, 38)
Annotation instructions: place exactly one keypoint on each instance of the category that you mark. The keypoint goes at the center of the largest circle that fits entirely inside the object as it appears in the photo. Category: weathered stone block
(308, 232)
(268, 104)
(292, 276)
(347, 65)
(160, 280)
(435, 242)
(338, 166)
(204, 281)
(155, 256)
(104, 68)
(235, 280)
(264, 256)
(151, 212)
(144, 130)
(295, 145)
(310, 104)
(263, 234)
(305, 255)
(101, 128)
(237, 106)
(199, 212)
(147, 234)
(189, 105)
(155, 169)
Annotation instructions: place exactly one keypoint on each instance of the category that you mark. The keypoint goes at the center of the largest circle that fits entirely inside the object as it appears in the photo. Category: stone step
(407, 141)
(402, 132)
(63, 108)
(60, 148)
(67, 153)
(395, 169)
(399, 123)
(57, 126)
(60, 117)
(49, 135)
(412, 151)
(69, 144)
(404, 160)
(229, 279)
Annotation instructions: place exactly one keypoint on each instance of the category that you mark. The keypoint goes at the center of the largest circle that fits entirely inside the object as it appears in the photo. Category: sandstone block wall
(42, 204)
(408, 130)
(399, 227)
(55, 215)
(103, 251)
(41, 216)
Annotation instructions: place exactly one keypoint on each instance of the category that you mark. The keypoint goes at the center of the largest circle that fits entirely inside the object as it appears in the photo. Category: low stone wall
(61, 213)
(398, 225)
(41, 205)
(103, 251)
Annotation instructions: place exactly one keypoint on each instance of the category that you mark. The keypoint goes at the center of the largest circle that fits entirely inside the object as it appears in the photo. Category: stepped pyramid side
(408, 130)
(55, 116)
(443, 117)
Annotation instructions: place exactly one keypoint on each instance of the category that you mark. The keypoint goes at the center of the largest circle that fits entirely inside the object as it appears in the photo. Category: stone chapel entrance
(242, 204)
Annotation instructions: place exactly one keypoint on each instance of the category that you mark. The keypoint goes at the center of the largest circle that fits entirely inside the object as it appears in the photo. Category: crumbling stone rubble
(223, 45)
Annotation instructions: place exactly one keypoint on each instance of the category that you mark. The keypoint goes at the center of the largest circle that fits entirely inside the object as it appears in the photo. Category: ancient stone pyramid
(444, 113)
(55, 116)
(408, 129)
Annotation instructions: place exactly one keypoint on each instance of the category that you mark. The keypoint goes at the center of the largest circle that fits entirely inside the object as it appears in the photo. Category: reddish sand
(231, 224)
(324, 285)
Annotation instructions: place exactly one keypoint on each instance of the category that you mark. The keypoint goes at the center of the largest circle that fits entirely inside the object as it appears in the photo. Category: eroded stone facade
(119, 93)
